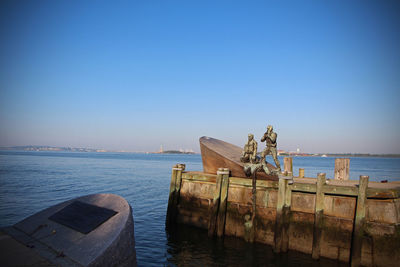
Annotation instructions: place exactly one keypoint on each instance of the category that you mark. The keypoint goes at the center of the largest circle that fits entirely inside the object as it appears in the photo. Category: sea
(31, 181)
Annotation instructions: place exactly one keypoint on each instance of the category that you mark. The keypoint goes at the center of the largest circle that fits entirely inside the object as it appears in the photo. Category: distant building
(282, 152)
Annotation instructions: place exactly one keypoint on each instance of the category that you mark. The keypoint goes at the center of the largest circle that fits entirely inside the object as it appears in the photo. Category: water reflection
(190, 246)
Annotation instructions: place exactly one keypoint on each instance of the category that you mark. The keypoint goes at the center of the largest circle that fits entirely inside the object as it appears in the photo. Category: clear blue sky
(132, 75)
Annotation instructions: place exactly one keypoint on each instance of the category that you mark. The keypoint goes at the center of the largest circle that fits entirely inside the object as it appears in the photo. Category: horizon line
(101, 150)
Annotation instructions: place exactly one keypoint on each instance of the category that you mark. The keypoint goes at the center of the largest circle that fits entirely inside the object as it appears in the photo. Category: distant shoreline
(80, 149)
(75, 149)
(341, 155)
(173, 152)
(365, 155)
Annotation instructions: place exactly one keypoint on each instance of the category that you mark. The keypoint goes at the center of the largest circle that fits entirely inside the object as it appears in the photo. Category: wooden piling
(342, 168)
(288, 164)
(215, 205)
(175, 188)
(318, 216)
(223, 203)
(172, 189)
(301, 173)
(180, 169)
(358, 229)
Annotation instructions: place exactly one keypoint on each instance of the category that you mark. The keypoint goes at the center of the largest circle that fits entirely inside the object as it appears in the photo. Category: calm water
(32, 181)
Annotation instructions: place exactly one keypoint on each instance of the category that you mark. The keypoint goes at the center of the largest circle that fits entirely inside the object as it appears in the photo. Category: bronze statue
(249, 156)
(249, 153)
(270, 140)
(251, 168)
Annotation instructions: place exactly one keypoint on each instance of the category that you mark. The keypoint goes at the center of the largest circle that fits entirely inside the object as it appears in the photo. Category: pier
(346, 220)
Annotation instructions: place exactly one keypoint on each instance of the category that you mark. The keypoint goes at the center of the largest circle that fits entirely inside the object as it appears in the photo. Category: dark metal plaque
(82, 217)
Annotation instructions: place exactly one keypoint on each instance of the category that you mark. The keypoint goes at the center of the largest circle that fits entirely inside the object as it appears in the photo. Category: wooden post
(223, 202)
(288, 164)
(171, 216)
(318, 216)
(358, 229)
(215, 205)
(180, 169)
(301, 173)
(279, 213)
(342, 168)
(172, 189)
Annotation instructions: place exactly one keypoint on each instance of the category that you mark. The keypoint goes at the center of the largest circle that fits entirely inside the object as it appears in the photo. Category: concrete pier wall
(331, 220)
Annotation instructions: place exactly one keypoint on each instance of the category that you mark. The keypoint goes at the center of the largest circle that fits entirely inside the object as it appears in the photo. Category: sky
(134, 75)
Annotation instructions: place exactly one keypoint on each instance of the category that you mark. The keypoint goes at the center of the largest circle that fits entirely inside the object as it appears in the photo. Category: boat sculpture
(93, 230)
(217, 154)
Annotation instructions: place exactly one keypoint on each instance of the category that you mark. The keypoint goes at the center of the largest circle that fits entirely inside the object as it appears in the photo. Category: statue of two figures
(255, 163)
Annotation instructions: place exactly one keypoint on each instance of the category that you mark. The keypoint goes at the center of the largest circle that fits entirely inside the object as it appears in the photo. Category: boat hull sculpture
(219, 154)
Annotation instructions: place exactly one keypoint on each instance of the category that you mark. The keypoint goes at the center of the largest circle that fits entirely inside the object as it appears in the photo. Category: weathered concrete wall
(294, 225)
